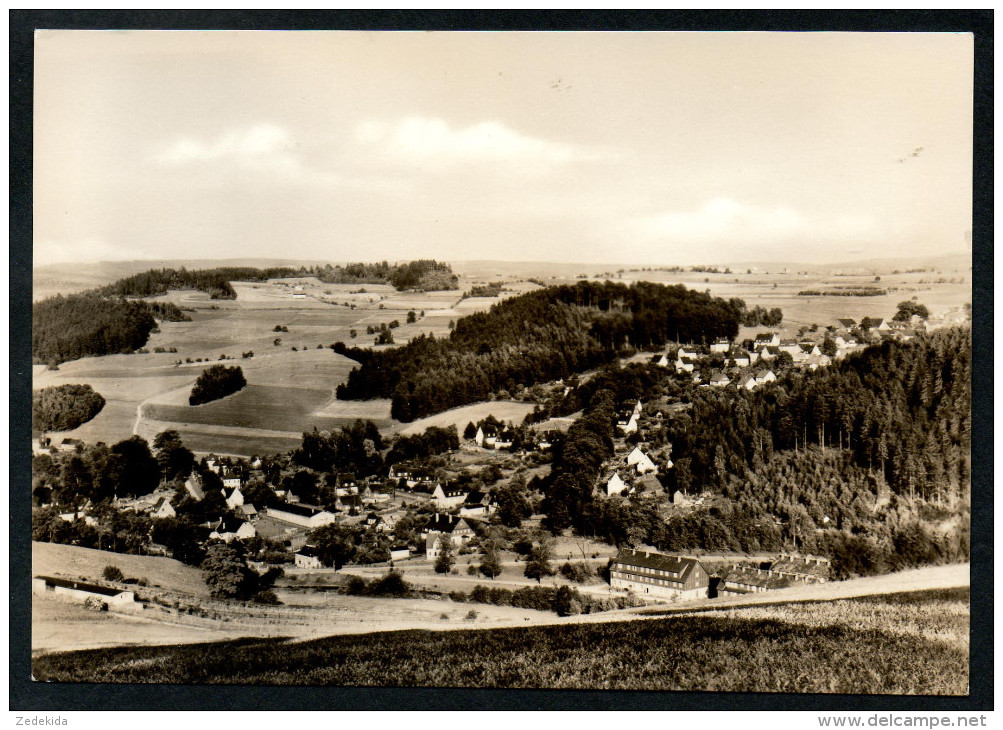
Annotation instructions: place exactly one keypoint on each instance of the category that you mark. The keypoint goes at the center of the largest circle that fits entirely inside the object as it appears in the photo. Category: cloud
(432, 143)
(724, 217)
(258, 147)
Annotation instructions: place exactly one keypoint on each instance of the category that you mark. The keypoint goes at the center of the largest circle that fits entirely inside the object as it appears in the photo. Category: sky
(654, 148)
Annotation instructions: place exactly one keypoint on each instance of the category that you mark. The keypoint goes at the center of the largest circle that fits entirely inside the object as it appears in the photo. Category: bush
(578, 572)
(457, 596)
(471, 569)
(471, 615)
(112, 572)
(392, 584)
(267, 597)
(356, 586)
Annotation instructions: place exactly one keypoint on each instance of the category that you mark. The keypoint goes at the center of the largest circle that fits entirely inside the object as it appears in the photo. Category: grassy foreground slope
(851, 646)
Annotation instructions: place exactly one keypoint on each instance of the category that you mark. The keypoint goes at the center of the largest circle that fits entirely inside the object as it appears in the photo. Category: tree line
(542, 335)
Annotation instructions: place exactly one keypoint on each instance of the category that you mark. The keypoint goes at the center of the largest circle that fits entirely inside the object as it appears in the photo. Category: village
(415, 510)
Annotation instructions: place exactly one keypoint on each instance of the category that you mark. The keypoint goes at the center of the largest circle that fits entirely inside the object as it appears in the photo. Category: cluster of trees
(64, 407)
(540, 336)
(908, 309)
(80, 325)
(424, 274)
(761, 317)
(435, 440)
(355, 448)
(215, 282)
(228, 575)
(577, 463)
(491, 289)
(215, 383)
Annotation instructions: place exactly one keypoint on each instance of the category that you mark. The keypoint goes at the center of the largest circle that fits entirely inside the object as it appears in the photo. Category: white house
(641, 461)
(748, 382)
(765, 376)
(306, 557)
(719, 380)
(767, 339)
(615, 485)
(163, 508)
(234, 498)
(721, 344)
(448, 496)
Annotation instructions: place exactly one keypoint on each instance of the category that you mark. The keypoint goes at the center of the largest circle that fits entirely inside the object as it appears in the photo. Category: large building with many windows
(654, 575)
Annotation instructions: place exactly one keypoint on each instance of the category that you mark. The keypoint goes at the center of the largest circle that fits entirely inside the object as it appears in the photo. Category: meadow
(267, 407)
(842, 649)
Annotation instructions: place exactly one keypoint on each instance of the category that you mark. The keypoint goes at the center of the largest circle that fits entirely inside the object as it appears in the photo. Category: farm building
(247, 511)
(232, 528)
(302, 515)
(400, 552)
(661, 576)
(306, 557)
(505, 440)
(456, 528)
(78, 591)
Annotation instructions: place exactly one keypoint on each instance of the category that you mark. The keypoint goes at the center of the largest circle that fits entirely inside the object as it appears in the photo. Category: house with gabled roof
(477, 502)
(648, 573)
(486, 436)
(747, 382)
(615, 485)
(685, 364)
(765, 376)
(456, 529)
(719, 379)
(641, 461)
(767, 339)
(505, 439)
(234, 497)
(847, 323)
(163, 509)
(449, 496)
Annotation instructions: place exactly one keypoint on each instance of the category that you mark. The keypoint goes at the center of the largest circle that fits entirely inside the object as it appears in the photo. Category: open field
(254, 406)
(502, 410)
(230, 440)
(840, 650)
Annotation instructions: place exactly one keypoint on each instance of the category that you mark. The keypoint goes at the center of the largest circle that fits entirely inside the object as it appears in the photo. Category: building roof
(303, 510)
(682, 567)
(764, 337)
(445, 523)
(847, 322)
(308, 551)
(80, 585)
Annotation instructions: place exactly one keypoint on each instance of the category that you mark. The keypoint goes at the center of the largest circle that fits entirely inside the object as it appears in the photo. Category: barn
(78, 591)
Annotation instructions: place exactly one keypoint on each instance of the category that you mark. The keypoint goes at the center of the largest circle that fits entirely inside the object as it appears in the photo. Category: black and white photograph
(497, 359)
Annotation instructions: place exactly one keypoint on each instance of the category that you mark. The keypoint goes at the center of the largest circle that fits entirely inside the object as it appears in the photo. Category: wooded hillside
(540, 336)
